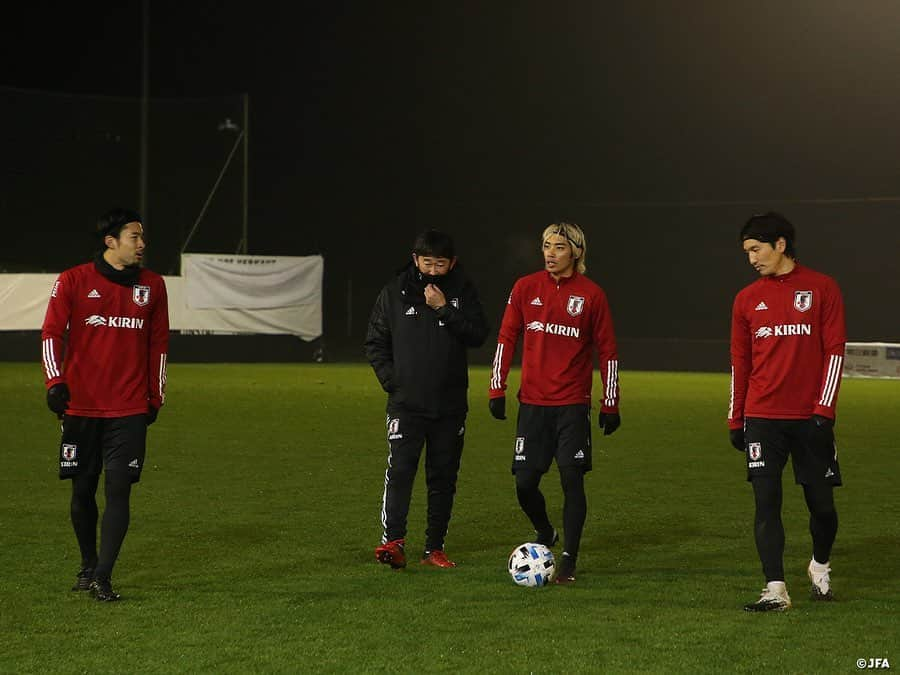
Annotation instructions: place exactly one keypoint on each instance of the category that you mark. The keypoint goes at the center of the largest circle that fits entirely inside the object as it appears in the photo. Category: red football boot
(437, 558)
(392, 554)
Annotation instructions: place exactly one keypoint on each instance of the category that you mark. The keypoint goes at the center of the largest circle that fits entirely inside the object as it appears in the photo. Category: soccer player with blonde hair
(564, 321)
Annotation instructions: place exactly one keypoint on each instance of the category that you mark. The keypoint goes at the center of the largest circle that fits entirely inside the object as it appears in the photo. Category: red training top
(787, 347)
(117, 344)
(563, 322)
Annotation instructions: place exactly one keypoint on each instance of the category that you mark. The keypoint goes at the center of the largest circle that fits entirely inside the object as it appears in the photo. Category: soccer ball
(532, 565)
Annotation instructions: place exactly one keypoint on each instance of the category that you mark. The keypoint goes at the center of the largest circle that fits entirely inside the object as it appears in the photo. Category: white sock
(777, 586)
(820, 566)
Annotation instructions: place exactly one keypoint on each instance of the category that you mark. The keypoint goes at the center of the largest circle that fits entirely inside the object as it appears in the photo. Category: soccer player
(105, 339)
(423, 322)
(564, 318)
(787, 355)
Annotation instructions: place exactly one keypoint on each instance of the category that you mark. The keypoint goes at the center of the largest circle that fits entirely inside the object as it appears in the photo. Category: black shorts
(90, 444)
(547, 432)
(813, 452)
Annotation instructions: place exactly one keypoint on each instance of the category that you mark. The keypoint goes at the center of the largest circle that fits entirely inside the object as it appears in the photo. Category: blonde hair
(575, 236)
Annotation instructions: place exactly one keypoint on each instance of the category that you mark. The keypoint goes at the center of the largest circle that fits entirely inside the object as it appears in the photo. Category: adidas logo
(133, 464)
(537, 302)
(94, 294)
(411, 311)
(829, 473)
(579, 454)
(761, 306)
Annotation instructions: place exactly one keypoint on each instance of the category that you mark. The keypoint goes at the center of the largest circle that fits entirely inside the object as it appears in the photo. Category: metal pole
(145, 103)
(350, 307)
(211, 193)
(246, 132)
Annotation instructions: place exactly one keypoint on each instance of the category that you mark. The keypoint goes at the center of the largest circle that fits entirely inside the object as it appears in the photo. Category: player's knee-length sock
(768, 528)
(574, 508)
(83, 511)
(823, 519)
(115, 522)
(531, 499)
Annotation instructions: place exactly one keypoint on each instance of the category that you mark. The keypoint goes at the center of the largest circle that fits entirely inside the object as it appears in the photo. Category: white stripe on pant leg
(384, 538)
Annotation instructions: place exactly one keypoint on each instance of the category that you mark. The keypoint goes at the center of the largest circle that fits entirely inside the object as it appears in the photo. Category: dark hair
(769, 227)
(112, 222)
(434, 243)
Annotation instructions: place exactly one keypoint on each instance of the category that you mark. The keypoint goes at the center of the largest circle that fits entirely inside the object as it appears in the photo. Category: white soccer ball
(532, 565)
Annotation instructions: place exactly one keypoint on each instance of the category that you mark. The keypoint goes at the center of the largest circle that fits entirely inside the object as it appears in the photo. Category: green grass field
(252, 531)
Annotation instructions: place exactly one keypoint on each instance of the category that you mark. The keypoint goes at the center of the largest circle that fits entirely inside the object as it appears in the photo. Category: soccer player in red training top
(105, 339)
(565, 318)
(787, 356)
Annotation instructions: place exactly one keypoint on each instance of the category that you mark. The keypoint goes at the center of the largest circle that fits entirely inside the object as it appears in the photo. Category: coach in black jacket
(423, 322)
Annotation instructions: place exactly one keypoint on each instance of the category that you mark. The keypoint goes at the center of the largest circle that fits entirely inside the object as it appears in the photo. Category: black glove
(609, 422)
(152, 414)
(58, 398)
(736, 436)
(498, 407)
(820, 421)
(821, 431)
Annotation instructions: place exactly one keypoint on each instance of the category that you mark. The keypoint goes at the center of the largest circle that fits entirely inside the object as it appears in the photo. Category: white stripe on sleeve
(835, 366)
(51, 368)
(731, 396)
(162, 378)
(612, 382)
(495, 371)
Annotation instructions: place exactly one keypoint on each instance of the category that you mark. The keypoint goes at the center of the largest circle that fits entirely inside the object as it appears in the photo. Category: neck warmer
(124, 277)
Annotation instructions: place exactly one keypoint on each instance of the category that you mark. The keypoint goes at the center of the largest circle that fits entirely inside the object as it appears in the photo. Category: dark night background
(659, 127)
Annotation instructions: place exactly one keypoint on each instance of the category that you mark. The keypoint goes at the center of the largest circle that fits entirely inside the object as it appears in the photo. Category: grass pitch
(253, 527)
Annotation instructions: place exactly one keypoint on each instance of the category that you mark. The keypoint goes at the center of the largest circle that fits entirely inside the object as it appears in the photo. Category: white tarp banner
(24, 297)
(23, 300)
(222, 281)
(872, 359)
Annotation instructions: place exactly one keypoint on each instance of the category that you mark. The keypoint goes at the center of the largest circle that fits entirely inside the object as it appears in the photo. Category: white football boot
(818, 574)
(774, 598)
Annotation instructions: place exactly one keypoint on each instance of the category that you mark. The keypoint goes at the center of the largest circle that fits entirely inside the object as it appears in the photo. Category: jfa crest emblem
(69, 451)
(140, 295)
(576, 305)
(755, 450)
(802, 300)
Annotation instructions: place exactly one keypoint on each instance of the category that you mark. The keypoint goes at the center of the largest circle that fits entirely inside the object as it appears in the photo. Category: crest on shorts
(140, 295)
(393, 425)
(802, 300)
(520, 445)
(575, 305)
(69, 450)
(755, 450)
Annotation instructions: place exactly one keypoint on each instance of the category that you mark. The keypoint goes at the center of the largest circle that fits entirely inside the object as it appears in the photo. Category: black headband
(563, 229)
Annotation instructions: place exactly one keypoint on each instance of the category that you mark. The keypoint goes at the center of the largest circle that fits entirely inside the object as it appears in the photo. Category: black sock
(574, 508)
(768, 528)
(823, 519)
(531, 499)
(83, 511)
(116, 517)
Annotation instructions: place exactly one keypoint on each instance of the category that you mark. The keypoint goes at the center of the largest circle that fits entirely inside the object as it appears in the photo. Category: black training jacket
(418, 353)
